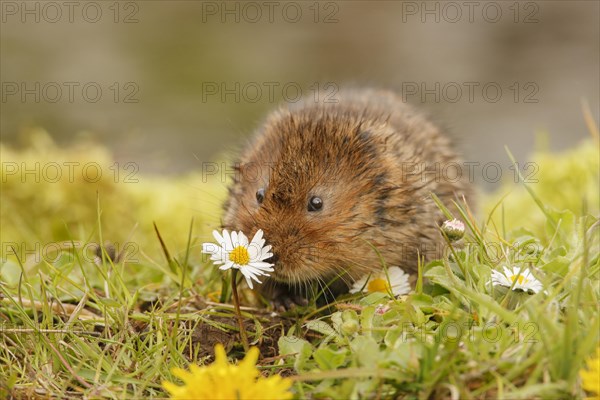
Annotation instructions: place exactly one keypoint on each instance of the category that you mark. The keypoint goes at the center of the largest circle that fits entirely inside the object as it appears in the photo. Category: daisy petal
(262, 265)
(359, 284)
(227, 245)
(234, 240)
(248, 277)
(219, 238)
(242, 239)
(228, 265)
(209, 248)
(257, 237)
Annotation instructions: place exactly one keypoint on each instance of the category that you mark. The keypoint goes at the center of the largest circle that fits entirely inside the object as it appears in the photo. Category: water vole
(328, 182)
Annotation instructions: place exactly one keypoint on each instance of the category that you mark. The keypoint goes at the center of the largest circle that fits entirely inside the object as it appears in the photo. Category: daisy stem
(236, 302)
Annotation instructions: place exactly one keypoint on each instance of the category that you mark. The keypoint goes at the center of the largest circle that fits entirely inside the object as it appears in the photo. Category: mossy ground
(75, 324)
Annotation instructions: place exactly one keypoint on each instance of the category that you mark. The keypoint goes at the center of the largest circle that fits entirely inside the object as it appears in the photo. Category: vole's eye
(260, 195)
(315, 203)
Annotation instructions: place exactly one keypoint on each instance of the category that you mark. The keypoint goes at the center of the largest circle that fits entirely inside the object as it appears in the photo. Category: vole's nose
(272, 260)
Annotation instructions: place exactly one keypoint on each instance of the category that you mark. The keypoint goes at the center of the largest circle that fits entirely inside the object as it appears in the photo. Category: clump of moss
(564, 181)
(52, 194)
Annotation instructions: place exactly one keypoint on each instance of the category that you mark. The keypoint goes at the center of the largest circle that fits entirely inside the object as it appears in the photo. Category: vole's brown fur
(373, 161)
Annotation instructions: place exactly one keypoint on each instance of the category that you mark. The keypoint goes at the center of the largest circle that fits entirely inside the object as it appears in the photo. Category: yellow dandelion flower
(590, 377)
(221, 380)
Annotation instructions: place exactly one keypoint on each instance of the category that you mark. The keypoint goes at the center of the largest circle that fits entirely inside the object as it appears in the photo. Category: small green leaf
(559, 265)
(299, 347)
(366, 320)
(373, 298)
(366, 350)
(328, 359)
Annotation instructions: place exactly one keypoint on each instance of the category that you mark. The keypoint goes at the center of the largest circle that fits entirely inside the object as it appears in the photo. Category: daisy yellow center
(377, 285)
(519, 278)
(240, 255)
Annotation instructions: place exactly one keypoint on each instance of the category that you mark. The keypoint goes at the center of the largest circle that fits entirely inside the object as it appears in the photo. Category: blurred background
(170, 84)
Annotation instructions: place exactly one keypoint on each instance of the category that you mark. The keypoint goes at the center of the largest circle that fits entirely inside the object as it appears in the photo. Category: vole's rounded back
(327, 182)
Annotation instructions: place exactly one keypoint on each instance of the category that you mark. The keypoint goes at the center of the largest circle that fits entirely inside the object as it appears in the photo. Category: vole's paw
(289, 301)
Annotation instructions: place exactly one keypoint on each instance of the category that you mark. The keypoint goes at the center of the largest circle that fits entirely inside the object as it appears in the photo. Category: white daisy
(378, 282)
(454, 229)
(517, 279)
(234, 251)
